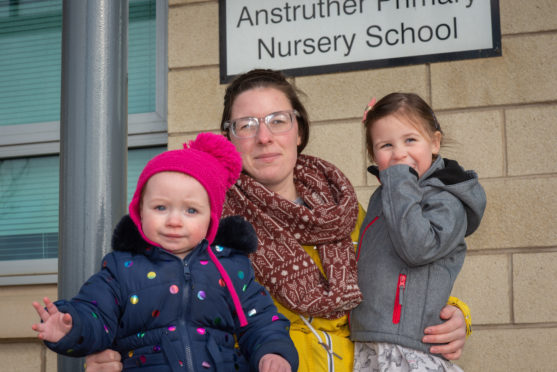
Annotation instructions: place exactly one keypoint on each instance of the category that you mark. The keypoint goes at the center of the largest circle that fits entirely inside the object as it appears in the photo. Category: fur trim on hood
(233, 232)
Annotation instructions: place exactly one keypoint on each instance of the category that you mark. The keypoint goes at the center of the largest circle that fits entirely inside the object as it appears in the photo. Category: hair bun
(221, 149)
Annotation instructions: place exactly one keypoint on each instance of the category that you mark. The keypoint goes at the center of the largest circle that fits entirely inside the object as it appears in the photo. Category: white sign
(302, 37)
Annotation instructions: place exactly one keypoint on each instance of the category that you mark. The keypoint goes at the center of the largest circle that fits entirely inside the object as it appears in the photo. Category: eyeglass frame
(229, 124)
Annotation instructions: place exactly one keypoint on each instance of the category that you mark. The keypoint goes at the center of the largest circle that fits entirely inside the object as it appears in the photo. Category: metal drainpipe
(93, 140)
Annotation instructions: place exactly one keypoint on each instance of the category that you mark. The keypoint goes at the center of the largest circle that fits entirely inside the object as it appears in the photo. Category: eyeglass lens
(277, 122)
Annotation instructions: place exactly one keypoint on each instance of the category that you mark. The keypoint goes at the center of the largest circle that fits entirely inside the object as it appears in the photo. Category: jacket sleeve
(422, 231)
(95, 313)
(267, 331)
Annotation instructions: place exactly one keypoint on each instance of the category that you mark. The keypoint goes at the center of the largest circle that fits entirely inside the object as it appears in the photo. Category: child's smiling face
(396, 141)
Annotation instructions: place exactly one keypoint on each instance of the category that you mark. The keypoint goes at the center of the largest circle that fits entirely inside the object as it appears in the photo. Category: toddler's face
(396, 141)
(175, 212)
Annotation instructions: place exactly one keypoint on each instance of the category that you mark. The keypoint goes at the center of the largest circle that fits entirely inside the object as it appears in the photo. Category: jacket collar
(234, 232)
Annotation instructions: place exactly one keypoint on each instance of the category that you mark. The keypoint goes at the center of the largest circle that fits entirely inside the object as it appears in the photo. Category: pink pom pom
(221, 149)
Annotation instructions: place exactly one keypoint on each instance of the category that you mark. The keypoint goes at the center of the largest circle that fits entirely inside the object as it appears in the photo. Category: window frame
(41, 139)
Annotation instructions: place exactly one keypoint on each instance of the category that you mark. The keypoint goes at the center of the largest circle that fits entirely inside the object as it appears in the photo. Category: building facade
(501, 117)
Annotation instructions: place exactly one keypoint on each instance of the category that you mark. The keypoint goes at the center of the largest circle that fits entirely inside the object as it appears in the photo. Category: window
(29, 189)
(30, 40)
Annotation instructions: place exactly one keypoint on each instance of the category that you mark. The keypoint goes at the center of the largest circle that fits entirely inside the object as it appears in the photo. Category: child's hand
(273, 363)
(55, 324)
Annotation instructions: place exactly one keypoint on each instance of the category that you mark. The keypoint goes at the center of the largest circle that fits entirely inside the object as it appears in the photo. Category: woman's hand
(452, 333)
(104, 361)
(273, 363)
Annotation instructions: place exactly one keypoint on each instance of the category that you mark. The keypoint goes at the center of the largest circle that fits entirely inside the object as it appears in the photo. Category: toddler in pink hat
(177, 291)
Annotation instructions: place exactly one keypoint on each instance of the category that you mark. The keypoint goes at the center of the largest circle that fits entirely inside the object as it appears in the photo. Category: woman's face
(268, 158)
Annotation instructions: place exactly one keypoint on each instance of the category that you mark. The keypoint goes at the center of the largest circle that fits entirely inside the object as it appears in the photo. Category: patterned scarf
(325, 221)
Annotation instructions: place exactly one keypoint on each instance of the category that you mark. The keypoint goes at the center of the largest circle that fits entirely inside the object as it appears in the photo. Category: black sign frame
(495, 51)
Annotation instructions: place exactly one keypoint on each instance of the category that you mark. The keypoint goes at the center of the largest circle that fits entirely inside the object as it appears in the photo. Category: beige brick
(345, 95)
(484, 285)
(342, 145)
(531, 134)
(16, 312)
(194, 100)
(363, 194)
(475, 140)
(193, 35)
(525, 73)
(504, 350)
(370, 178)
(534, 287)
(517, 16)
(176, 142)
(51, 360)
(519, 213)
(21, 356)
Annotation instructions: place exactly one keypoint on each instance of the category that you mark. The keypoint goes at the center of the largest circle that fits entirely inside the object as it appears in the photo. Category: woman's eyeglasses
(276, 122)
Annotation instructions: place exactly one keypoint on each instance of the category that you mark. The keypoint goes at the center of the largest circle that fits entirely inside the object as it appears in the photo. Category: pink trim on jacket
(230, 286)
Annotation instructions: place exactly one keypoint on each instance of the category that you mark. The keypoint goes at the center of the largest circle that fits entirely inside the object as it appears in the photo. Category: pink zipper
(401, 285)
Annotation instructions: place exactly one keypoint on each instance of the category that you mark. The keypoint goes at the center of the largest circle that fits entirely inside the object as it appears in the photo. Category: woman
(307, 218)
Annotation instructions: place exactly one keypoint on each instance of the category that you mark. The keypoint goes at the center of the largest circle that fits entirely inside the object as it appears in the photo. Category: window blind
(29, 190)
(29, 208)
(30, 73)
(142, 57)
(30, 41)
(30, 60)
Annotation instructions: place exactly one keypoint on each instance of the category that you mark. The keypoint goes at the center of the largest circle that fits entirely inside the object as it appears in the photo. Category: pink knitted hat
(211, 159)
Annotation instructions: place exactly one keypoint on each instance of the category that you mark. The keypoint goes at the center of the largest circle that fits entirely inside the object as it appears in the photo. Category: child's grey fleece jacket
(411, 249)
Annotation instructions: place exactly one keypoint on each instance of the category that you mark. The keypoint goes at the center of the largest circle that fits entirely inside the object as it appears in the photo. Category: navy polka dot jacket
(163, 313)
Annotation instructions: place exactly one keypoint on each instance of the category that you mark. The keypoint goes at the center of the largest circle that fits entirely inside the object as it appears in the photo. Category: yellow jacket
(333, 333)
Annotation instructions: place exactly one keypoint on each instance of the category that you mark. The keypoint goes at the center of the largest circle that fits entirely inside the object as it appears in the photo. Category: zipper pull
(401, 287)
(399, 298)
(187, 272)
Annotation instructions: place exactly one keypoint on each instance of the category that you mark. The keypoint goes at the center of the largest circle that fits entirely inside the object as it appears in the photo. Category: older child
(411, 244)
(166, 298)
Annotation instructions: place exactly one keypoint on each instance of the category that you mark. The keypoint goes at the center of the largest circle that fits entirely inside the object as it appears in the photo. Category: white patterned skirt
(382, 357)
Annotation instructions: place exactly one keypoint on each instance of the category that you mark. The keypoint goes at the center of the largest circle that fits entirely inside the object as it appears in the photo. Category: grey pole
(93, 140)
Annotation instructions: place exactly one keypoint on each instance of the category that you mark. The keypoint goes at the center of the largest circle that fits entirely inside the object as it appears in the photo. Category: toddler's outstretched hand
(273, 363)
(55, 324)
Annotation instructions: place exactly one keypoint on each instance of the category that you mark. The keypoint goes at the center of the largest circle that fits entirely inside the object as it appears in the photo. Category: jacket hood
(448, 175)
(233, 232)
